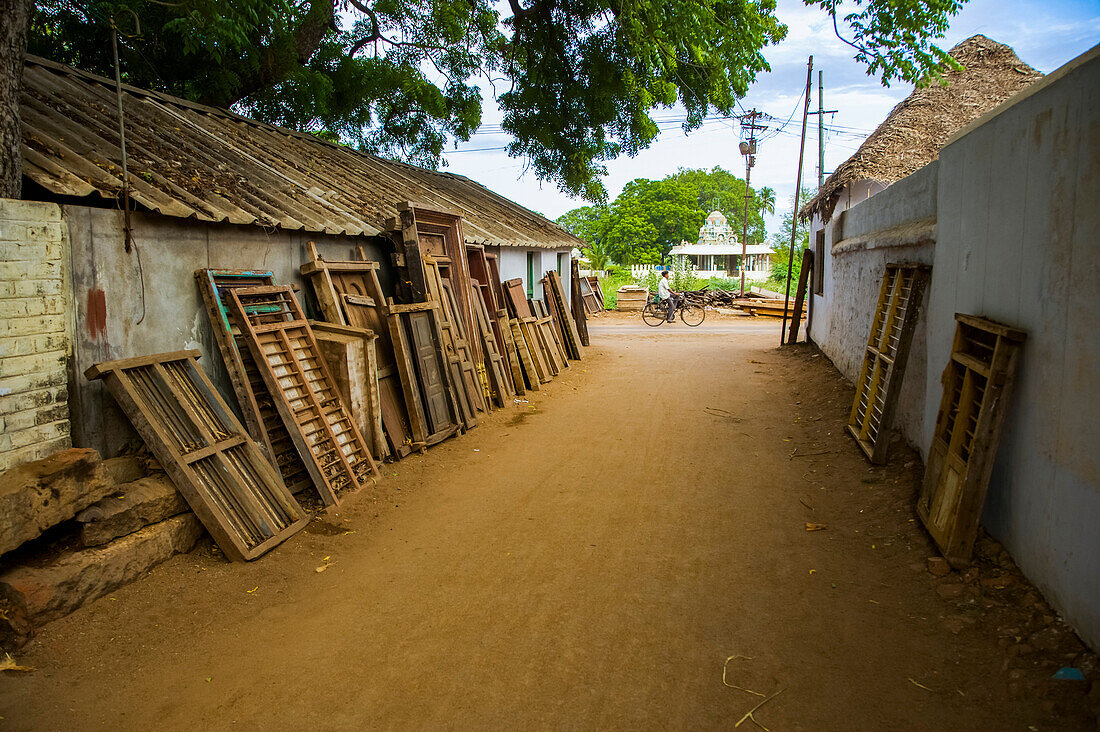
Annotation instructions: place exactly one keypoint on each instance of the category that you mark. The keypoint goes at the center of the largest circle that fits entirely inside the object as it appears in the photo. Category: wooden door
(429, 367)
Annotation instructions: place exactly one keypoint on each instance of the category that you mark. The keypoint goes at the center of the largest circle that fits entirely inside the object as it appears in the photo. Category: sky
(1045, 35)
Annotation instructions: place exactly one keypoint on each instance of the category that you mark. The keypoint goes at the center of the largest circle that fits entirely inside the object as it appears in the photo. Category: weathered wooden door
(432, 389)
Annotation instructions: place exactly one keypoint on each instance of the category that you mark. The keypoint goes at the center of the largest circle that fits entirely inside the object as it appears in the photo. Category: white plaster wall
(895, 226)
(820, 310)
(1019, 212)
(513, 264)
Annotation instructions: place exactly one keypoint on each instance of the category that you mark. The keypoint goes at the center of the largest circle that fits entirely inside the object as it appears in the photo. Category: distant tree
(765, 200)
(781, 244)
(649, 217)
(585, 223)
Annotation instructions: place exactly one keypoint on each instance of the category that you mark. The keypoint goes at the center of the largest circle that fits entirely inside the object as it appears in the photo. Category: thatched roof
(911, 137)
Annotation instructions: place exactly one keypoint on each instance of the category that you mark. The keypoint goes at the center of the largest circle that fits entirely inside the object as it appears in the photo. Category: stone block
(31, 596)
(131, 508)
(126, 469)
(37, 495)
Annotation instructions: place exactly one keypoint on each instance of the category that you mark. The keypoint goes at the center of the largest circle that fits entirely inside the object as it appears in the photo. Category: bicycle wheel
(693, 315)
(653, 315)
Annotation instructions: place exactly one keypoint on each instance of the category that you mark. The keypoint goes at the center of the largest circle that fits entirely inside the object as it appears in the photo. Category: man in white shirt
(666, 295)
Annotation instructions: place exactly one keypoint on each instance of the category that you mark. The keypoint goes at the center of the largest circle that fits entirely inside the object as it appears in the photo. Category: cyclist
(667, 295)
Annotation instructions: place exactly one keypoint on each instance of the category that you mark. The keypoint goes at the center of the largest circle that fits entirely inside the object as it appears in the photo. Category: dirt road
(587, 560)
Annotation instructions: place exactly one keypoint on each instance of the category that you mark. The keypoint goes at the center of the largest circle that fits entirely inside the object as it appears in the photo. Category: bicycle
(692, 314)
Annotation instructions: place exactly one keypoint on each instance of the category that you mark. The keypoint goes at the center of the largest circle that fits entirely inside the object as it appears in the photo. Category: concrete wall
(1019, 216)
(513, 264)
(148, 301)
(34, 332)
(897, 225)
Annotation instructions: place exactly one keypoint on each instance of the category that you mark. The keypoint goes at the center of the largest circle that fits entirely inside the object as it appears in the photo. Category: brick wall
(34, 335)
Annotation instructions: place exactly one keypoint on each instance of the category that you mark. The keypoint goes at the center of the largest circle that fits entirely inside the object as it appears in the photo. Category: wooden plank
(416, 307)
(514, 362)
(516, 299)
(557, 303)
(580, 317)
(968, 429)
(462, 374)
(348, 357)
(531, 371)
(374, 433)
(391, 396)
(223, 476)
(403, 357)
(499, 351)
(537, 350)
(410, 248)
(305, 395)
(319, 275)
(499, 386)
(549, 337)
(800, 294)
(464, 347)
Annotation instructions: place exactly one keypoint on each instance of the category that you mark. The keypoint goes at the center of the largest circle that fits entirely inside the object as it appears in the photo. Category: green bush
(723, 283)
(616, 278)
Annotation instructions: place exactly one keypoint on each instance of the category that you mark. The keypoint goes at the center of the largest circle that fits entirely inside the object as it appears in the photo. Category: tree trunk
(14, 19)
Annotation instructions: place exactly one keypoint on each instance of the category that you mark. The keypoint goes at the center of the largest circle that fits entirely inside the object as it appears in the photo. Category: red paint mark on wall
(96, 313)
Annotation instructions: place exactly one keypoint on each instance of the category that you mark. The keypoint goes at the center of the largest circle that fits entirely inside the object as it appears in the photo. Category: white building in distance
(718, 253)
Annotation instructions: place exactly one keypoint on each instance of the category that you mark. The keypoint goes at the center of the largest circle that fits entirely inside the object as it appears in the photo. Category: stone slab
(31, 596)
(131, 508)
(37, 495)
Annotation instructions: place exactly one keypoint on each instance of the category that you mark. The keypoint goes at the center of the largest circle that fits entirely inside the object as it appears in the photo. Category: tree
(13, 47)
(650, 217)
(576, 81)
(765, 200)
(584, 223)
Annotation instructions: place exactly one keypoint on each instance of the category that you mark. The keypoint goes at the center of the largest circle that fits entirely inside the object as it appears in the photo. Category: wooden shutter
(884, 360)
(303, 390)
(977, 384)
(259, 412)
(222, 474)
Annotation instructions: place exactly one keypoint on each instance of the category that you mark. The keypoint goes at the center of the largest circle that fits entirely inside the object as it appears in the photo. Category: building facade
(717, 253)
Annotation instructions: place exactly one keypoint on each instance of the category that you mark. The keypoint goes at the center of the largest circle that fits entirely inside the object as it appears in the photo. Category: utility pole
(748, 149)
(821, 112)
(797, 192)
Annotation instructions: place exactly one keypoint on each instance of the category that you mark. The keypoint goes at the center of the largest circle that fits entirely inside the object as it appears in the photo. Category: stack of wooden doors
(412, 381)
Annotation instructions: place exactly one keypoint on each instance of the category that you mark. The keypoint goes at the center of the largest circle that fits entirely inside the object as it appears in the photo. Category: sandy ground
(589, 559)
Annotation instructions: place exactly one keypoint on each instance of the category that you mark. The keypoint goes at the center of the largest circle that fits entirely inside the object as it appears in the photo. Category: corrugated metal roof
(209, 164)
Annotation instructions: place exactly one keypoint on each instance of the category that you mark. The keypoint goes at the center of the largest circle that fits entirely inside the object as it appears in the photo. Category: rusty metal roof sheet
(209, 164)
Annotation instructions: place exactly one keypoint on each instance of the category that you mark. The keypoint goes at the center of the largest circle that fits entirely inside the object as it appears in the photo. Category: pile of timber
(631, 297)
(377, 376)
(755, 302)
